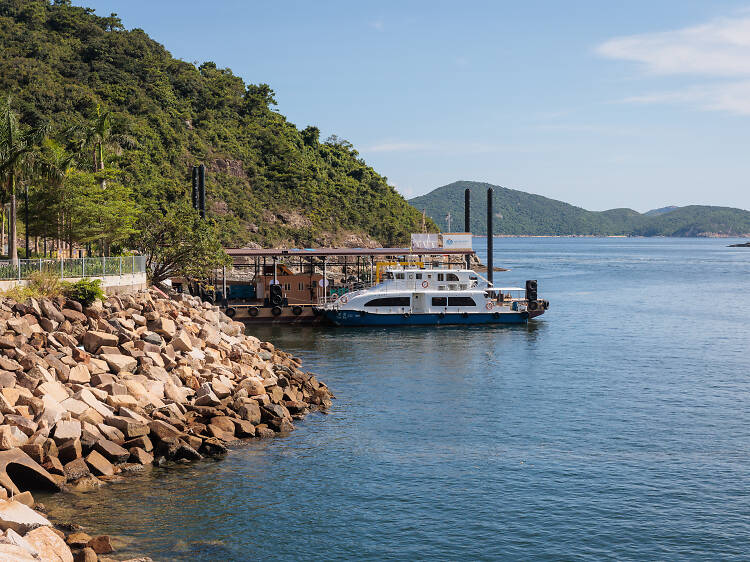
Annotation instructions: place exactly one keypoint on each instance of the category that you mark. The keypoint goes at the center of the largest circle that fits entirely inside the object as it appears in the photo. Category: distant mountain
(660, 211)
(520, 213)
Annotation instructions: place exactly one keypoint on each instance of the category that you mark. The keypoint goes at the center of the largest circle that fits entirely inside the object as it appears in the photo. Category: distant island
(518, 213)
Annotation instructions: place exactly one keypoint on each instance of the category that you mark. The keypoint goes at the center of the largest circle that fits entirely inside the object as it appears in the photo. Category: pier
(285, 286)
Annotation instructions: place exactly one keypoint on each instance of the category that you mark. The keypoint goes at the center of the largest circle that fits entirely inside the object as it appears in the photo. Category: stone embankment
(90, 394)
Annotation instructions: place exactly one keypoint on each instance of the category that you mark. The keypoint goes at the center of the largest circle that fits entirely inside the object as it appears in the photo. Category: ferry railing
(71, 268)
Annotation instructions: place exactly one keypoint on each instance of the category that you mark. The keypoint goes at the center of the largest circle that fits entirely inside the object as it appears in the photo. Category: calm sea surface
(616, 426)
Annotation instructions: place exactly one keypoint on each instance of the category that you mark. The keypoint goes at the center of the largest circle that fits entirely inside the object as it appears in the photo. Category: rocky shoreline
(91, 394)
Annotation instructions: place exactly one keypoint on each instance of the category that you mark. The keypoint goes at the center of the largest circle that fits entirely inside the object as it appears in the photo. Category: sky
(638, 104)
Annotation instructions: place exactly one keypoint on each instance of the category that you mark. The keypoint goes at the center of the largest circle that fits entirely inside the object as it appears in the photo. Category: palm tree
(18, 151)
(97, 135)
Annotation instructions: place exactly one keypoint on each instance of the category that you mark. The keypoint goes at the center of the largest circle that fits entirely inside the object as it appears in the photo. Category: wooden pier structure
(285, 286)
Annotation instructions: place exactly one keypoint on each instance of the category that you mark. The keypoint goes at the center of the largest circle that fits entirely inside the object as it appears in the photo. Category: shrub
(41, 285)
(85, 291)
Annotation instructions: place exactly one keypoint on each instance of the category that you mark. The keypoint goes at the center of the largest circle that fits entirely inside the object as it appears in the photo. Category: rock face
(85, 393)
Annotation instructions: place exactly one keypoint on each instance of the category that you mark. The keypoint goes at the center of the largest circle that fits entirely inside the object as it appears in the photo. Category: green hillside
(268, 181)
(520, 213)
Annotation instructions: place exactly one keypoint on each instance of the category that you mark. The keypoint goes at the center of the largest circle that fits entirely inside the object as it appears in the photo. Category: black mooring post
(489, 235)
(194, 197)
(202, 190)
(467, 211)
(467, 220)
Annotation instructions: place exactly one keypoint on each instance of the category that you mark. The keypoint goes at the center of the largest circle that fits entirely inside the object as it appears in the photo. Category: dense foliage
(145, 118)
(519, 213)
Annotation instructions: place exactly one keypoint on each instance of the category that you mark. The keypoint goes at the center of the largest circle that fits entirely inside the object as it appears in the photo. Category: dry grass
(41, 285)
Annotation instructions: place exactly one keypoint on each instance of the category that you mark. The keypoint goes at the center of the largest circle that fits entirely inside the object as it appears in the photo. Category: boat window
(439, 301)
(389, 301)
(441, 277)
(451, 277)
(389, 275)
(473, 277)
(461, 301)
(429, 276)
(399, 276)
(419, 276)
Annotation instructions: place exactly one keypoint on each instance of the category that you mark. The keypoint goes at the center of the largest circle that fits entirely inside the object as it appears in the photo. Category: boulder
(129, 427)
(12, 538)
(112, 451)
(79, 374)
(10, 439)
(65, 430)
(78, 540)
(140, 456)
(93, 340)
(73, 316)
(120, 363)
(163, 326)
(101, 544)
(21, 518)
(76, 469)
(99, 465)
(14, 553)
(49, 545)
(19, 326)
(87, 555)
(181, 342)
(51, 311)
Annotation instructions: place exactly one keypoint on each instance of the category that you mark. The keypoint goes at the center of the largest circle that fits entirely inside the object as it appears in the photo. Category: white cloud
(732, 97)
(377, 25)
(719, 49)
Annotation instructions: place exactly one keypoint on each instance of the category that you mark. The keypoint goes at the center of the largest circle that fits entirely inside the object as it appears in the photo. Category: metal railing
(68, 268)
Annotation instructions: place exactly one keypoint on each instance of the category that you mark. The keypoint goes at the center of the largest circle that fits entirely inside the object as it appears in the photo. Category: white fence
(73, 267)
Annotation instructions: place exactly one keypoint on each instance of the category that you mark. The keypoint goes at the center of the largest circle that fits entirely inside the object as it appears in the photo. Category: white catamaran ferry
(435, 297)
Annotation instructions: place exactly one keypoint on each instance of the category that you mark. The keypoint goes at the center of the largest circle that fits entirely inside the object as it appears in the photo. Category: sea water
(615, 426)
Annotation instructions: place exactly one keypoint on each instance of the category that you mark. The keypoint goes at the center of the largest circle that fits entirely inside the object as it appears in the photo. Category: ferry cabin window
(399, 276)
(439, 301)
(451, 277)
(287, 286)
(389, 275)
(461, 301)
(300, 286)
(389, 301)
(419, 276)
(440, 277)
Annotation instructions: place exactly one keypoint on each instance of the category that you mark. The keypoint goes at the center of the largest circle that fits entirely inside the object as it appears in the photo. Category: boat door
(418, 303)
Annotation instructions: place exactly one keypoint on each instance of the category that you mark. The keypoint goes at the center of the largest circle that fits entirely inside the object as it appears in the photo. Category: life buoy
(344, 299)
(425, 284)
(230, 312)
(297, 310)
(253, 311)
(489, 305)
(276, 310)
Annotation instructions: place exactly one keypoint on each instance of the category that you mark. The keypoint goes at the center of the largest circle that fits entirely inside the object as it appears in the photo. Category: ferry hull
(355, 318)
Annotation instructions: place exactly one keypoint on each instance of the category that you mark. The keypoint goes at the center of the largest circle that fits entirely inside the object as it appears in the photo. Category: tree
(98, 135)
(177, 242)
(18, 158)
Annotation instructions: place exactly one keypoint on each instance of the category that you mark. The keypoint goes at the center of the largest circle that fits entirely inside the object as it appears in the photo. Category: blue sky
(635, 104)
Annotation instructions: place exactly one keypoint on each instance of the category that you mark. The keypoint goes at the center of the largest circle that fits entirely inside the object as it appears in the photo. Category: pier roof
(323, 252)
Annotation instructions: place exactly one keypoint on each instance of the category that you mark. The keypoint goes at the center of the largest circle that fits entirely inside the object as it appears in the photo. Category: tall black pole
(26, 216)
(489, 235)
(467, 211)
(202, 190)
(194, 198)
(467, 220)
